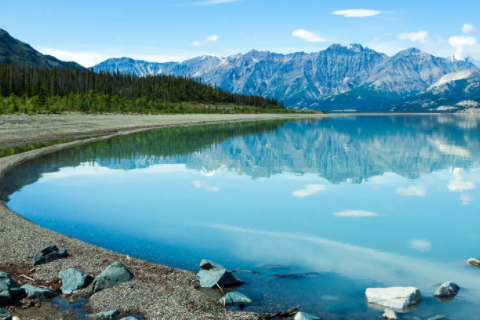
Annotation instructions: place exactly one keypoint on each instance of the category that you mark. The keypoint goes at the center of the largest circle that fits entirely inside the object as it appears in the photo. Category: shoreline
(157, 291)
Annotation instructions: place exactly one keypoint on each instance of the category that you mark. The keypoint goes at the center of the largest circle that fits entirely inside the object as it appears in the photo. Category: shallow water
(371, 201)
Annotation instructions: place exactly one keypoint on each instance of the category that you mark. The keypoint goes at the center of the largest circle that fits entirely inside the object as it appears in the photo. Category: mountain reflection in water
(363, 200)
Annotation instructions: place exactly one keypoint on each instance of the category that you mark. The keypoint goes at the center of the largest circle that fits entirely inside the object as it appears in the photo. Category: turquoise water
(366, 201)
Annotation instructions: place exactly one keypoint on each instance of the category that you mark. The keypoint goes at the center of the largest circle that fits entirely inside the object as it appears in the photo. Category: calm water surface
(362, 201)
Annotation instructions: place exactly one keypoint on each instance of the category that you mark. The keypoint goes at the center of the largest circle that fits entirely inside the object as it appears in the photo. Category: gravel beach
(157, 291)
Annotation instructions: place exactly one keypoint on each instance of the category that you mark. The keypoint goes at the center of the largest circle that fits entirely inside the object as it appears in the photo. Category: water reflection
(362, 201)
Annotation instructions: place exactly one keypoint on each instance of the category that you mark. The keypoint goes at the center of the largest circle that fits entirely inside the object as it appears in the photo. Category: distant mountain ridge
(340, 77)
(13, 51)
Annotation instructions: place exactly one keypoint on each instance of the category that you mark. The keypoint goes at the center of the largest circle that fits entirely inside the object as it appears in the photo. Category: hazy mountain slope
(13, 51)
(136, 67)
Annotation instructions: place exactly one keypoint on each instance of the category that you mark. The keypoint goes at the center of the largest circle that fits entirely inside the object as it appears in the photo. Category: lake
(344, 203)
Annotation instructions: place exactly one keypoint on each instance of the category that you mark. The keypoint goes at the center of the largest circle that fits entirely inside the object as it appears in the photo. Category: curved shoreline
(158, 291)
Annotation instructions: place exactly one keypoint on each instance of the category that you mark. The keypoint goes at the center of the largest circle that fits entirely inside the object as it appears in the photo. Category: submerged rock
(397, 298)
(5, 315)
(305, 316)
(104, 315)
(9, 289)
(211, 274)
(38, 293)
(437, 318)
(474, 262)
(74, 279)
(49, 254)
(114, 275)
(447, 289)
(129, 318)
(235, 298)
(389, 314)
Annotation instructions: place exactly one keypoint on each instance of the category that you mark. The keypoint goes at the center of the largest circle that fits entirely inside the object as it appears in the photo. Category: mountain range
(13, 51)
(340, 78)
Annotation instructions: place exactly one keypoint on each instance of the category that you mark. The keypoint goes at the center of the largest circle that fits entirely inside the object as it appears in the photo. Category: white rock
(474, 262)
(398, 298)
(305, 316)
(389, 314)
(447, 289)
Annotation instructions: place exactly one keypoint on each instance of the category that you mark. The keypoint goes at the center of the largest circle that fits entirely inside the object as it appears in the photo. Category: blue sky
(166, 30)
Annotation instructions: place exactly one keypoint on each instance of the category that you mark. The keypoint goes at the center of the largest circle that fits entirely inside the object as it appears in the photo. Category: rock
(114, 275)
(211, 274)
(74, 279)
(305, 316)
(474, 262)
(49, 254)
(396, 298)
(447, 289)
(235, 298)
(104, 315)
(389, 314)
(15, 318)
(9, 289)
(437, 318)
(38, 293)
(129, 318)
(5, 315)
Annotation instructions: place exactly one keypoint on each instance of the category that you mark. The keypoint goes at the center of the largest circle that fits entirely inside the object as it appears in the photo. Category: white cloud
(355, 214)
(412, 191)
(309, 190)
(307, 36)
(468, 28)
(356, 13)
(459, 43)
(460, 186)
(466, 198)
(204, 185)
(447, 148)
(205, 41)
(420, 245)
(420, 36)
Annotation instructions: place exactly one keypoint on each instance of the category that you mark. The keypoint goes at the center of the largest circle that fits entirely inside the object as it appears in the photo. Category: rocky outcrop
(447, 289)
(49, 254)
(112, 314)
(74, 279)
(305, 316)
(235, 298)
(112, 276)
(211, 274)
(38, 293)
(396, 298)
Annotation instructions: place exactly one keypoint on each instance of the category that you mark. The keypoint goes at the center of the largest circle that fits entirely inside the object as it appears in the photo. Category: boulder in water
(49, 254)
(38, 293)
(447, 289)
(474, 262)
(114, 275)
(397, 298)
(235, 298)
(389, 314)
(211, 274)
(305, 316)
(74, 279)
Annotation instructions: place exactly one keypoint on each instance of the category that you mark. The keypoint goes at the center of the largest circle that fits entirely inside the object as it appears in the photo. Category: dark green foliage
(33, 90)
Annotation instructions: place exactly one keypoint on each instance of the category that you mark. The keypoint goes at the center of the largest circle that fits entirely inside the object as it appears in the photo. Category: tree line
(33, 89)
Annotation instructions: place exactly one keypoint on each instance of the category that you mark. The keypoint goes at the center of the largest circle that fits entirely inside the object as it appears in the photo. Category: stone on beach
(9, 289)
(447, 289)
(474, 262)
(49, 254)
(38, 293)
(112, 314)
(5, 315)
(389, 314)
(235, 298)
(211, 274)
(114, 275)
(74, 279)
(305, 316)
(397, 298)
